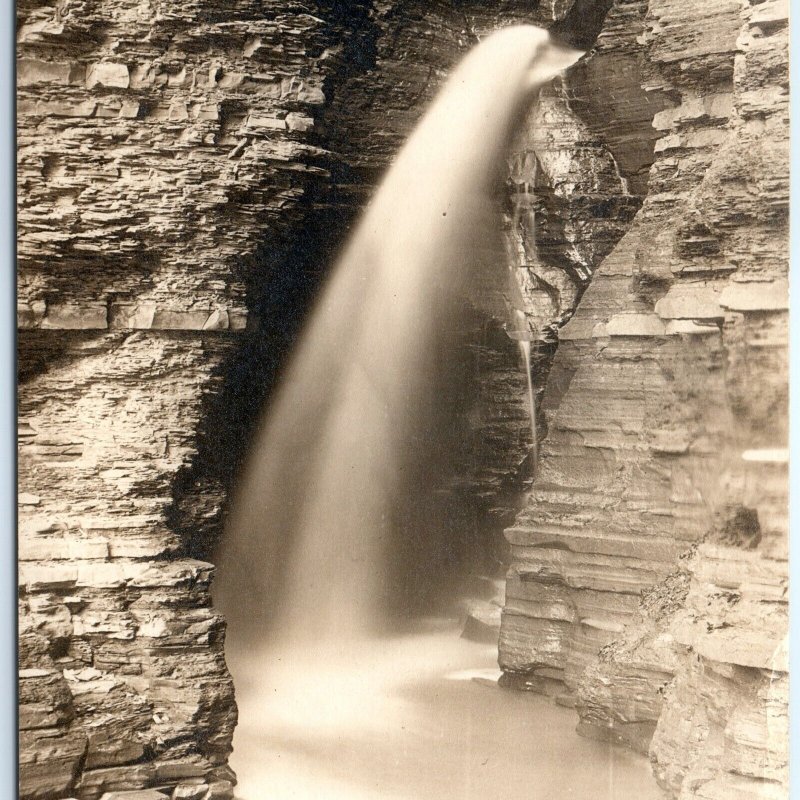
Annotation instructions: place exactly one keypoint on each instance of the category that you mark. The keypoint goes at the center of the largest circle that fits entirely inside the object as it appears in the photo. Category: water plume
(304, 554)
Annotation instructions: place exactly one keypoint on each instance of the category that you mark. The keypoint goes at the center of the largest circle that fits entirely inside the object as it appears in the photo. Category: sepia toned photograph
(402, 399)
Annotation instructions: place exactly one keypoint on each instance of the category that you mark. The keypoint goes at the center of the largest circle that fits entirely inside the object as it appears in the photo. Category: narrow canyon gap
(306, 579)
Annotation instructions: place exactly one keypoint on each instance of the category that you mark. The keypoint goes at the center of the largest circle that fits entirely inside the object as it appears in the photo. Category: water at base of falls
(418, 717)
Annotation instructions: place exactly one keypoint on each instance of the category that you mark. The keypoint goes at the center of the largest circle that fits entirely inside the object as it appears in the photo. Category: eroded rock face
(115, 608)
(667, 416)
(185, 177)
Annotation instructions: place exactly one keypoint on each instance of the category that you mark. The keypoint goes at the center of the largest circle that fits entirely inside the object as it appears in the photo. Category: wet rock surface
(666, 414)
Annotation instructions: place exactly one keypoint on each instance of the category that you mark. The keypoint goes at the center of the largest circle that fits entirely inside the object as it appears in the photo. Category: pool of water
(417, 716)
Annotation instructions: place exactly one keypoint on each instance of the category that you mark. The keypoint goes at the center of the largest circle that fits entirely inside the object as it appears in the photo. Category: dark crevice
(282, 279)
(581, 25)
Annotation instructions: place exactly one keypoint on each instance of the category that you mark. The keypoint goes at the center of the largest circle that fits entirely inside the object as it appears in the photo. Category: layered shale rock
(185, 176)
(111, 606)
(667, 419)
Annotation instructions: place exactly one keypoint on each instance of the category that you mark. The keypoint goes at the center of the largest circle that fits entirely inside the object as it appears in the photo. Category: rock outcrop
(667, 422)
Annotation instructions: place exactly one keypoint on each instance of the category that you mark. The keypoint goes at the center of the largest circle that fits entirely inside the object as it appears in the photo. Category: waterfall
(303, 558)
(525, 351)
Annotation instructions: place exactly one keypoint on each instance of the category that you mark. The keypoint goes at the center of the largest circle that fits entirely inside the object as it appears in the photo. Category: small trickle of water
(521, 327)
(525, 349)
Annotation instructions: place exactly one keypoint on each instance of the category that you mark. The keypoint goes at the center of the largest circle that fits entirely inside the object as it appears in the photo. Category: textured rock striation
(667, 421)
(111, 610)
(185, 176)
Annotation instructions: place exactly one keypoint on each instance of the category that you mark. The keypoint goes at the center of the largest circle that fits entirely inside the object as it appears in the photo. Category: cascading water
(521, 329)
(303, 578)
(328, 464)
(525, 349)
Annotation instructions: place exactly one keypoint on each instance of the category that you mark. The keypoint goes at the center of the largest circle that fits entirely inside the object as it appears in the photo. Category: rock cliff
(648, 586)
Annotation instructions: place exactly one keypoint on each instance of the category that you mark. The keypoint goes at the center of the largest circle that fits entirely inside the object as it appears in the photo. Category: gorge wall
(649, 578)
(186, 173)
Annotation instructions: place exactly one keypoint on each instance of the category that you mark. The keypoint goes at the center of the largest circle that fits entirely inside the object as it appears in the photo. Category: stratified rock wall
(564, 595)
(667, 420)
(158, 145)
(186, 173)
